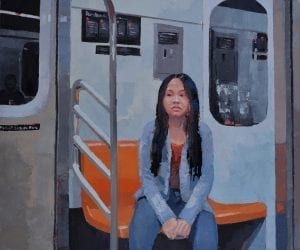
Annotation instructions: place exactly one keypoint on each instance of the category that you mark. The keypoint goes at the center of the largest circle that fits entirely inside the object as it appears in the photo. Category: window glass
(238, 63)
(19, 51)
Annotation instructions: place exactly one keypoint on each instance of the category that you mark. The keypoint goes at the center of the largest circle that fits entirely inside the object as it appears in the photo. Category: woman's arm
(150, 188)
(203, 187)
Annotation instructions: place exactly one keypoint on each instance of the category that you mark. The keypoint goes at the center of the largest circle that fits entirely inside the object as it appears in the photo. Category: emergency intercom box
(225, 56)
(168, 50)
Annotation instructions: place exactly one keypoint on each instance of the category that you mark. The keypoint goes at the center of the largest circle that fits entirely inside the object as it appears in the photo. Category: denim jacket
(194, 191)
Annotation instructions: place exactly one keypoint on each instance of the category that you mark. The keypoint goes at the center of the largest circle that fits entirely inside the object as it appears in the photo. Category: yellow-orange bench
(129, 183)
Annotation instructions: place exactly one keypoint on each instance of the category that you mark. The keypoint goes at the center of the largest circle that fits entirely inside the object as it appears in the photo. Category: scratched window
(238, 90)
(19, 51)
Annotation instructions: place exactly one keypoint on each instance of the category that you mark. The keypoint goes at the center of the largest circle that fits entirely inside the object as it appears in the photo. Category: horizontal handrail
(12, 13)
(91, 191)
(82, 85)
(99, 132)
(85, 149)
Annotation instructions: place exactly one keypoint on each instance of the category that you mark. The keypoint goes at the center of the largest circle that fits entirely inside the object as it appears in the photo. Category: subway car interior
(79, 79)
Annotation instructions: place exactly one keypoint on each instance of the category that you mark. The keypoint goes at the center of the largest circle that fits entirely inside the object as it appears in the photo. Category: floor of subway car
(85, 237)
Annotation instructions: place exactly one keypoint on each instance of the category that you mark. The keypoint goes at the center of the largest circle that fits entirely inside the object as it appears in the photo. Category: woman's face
(176, 102)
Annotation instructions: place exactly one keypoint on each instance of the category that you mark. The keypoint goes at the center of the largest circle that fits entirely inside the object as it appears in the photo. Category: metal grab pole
(113, 125)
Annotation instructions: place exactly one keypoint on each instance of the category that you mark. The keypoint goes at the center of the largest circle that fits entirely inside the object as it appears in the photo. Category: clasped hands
(173, 228)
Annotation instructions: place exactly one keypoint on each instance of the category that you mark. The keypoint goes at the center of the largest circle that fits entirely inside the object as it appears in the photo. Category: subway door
(240, 106)
(27, 124)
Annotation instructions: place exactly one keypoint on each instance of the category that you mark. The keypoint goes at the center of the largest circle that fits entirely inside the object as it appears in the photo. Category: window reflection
(19, 51)
(238, 64)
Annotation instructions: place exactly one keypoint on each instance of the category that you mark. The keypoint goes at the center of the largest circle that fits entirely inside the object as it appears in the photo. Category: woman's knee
(144, 212)
(144, 226)
(207, 218)
(205, 232)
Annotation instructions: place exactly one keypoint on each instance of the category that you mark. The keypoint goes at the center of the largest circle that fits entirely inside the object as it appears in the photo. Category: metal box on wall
(168, 50)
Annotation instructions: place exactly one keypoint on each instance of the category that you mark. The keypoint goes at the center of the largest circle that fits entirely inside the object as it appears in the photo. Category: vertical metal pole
(63, 159)
(290, 122)
(113, 125)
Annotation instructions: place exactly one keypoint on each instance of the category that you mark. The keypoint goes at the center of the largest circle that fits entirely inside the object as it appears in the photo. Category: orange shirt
(175, 163)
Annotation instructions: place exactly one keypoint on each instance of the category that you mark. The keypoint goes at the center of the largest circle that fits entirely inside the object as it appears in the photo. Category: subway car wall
(237, 149)
(27, 124)
(237, 53)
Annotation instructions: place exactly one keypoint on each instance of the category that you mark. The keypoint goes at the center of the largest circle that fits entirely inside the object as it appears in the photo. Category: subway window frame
(17, 36)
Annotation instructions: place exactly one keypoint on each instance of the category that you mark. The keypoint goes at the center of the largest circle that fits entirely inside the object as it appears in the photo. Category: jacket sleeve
(203, 187)
(150, 188)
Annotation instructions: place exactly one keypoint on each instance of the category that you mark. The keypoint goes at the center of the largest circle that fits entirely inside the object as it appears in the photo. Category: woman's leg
(144, 227)
(204, 233)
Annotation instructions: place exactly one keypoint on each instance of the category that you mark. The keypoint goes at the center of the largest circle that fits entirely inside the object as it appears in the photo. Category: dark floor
(231, 237)
(85, 237)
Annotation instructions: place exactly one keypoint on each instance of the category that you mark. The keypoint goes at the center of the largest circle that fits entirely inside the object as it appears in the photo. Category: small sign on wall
(20, 127)
(95, 28)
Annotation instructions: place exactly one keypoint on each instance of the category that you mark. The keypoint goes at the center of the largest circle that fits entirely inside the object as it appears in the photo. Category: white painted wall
(186, 11)
(136, 87)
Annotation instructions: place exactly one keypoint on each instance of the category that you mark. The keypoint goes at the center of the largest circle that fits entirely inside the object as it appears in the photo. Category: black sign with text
(95, 28)
(20, 127)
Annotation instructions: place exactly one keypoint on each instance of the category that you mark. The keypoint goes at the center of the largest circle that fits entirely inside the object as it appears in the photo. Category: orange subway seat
(228, 213)
(128, 183)
(128, 179)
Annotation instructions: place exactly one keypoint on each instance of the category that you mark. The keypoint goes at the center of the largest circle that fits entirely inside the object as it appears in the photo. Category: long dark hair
(194, 152)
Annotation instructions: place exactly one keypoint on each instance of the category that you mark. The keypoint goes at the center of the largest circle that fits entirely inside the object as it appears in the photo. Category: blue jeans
(145, 226)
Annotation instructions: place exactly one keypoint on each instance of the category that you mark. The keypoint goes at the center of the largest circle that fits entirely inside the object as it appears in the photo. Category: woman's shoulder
(148, 130)
(204, 128)
(149, 127)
